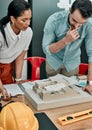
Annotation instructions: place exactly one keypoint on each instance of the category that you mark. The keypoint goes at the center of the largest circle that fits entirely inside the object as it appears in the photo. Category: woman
(15, 37)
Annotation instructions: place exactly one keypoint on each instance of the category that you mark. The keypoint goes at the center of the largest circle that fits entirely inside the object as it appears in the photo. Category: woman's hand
(5, 93)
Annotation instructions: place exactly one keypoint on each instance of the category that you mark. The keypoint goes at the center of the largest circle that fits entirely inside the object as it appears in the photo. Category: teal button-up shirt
(55, 29)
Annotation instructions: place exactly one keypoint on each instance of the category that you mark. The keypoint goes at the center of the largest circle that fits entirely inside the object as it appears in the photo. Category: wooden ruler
(63, 120)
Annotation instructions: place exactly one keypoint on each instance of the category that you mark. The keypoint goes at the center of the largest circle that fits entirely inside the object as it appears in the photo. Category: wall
(3, 7)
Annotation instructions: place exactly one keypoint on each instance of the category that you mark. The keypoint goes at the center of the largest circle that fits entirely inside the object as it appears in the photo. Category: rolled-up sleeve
(48, 36)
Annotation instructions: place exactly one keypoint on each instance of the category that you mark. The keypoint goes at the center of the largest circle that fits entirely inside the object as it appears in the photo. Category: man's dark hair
(15, 9)
(84, 6)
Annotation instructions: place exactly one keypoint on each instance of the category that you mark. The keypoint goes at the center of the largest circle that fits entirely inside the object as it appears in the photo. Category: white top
(16, 43)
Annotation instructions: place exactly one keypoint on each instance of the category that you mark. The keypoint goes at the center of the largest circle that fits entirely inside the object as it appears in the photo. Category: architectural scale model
(54, 92)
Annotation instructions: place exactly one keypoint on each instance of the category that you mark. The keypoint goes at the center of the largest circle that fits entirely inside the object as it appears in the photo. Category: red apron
(6, 73)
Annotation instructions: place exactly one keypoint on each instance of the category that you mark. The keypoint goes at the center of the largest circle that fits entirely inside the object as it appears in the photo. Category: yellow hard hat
(18, 116)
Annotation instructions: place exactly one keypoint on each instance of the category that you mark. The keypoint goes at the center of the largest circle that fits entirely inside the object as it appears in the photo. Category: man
(64, 34)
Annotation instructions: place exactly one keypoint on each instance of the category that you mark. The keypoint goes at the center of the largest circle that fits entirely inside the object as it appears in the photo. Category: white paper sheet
(13, 89)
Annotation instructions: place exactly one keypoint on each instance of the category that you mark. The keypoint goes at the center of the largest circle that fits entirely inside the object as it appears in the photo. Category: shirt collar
(11, 32)
(67, 19)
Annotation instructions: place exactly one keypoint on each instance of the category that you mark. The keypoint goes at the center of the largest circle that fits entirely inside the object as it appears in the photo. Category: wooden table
(53, 114)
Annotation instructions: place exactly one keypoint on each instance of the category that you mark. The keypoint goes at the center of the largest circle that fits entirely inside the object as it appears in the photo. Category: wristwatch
(89, 82)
